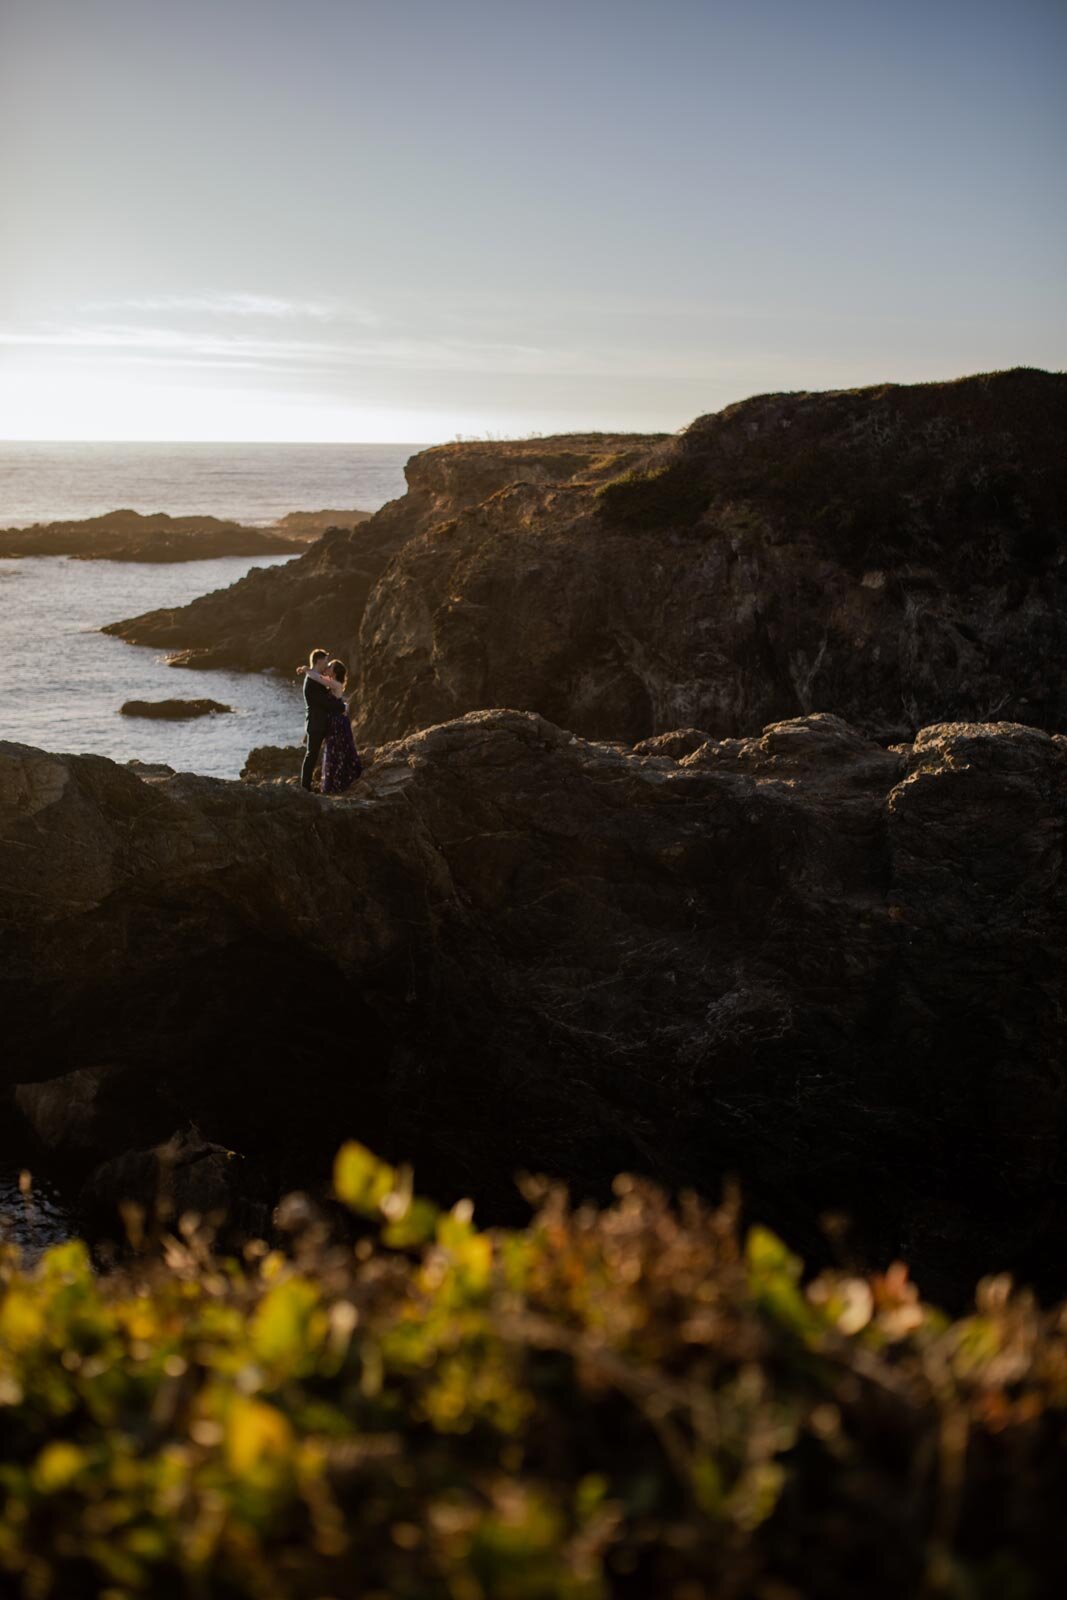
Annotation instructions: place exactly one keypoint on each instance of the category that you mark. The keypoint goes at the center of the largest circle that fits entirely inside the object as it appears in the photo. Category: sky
(407, 220)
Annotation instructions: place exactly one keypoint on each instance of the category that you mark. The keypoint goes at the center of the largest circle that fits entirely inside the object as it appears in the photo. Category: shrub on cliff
(674, 495)
(627, 1402)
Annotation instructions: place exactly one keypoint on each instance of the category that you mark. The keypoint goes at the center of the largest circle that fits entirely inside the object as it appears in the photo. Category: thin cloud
(167, 346)
(397, 351)
(265, 307)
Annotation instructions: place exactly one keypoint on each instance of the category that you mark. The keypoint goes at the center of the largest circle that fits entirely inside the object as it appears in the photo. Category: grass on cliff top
(633, 1401)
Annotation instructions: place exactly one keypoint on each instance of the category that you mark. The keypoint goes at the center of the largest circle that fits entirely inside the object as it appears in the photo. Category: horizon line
(335, 443)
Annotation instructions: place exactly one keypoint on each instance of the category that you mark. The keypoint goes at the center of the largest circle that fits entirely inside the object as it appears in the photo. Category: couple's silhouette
(327, 726)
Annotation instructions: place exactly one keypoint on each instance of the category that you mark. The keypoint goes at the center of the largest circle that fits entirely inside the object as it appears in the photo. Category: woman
(341, 765)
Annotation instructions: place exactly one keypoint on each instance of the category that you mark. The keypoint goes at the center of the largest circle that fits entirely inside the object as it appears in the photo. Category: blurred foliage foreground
(622, 1402)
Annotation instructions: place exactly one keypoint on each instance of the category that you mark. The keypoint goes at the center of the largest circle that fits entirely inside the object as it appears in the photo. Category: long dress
(341, 765)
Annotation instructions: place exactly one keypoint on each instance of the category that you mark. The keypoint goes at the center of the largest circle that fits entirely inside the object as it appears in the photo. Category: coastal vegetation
(634, 1400)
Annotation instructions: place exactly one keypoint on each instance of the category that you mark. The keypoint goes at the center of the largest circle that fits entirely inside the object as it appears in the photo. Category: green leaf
(360, 1179)
(773, 1278)
(416, 1226)
(281, 1333)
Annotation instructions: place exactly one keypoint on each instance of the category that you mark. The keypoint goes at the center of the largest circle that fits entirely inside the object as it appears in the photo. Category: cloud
(267, 307)
(336, 354)
(398, 351)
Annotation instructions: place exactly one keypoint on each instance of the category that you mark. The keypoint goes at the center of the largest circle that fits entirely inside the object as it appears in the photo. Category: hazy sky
(403, 219)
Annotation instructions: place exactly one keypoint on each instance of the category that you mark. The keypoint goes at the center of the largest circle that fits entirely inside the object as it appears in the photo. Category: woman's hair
(317, 655)
(339, 670)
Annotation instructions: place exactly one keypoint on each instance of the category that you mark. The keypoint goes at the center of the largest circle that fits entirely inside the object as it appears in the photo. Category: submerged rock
(174, 710)
(831, 968)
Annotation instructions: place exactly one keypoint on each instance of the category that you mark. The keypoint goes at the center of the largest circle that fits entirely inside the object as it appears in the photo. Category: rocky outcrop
(832, 968)
(273, 763)
(270, 619)
(894, 555)
(131, 536)
(310, 524)
(174, 710)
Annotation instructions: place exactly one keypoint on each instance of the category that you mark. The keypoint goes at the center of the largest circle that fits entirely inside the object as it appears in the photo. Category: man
(317, 703)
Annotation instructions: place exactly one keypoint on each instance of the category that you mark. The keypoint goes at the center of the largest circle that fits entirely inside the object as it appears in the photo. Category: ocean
(62, 682)
(252, 483)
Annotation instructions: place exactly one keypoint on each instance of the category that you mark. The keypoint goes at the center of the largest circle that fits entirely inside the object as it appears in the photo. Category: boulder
(831, 968)
(273, 763)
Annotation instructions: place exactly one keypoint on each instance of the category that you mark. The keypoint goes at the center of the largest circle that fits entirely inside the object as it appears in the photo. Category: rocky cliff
(271, 618)
(830, 967)
(894, 555)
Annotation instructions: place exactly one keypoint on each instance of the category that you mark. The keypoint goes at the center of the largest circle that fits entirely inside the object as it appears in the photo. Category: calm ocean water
(62, 682)
(253, 483)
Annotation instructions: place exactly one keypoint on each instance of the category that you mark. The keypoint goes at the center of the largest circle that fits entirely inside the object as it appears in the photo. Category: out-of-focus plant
(632, 1401)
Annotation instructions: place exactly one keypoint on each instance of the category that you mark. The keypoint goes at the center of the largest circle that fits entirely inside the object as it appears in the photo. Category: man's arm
(316, 694)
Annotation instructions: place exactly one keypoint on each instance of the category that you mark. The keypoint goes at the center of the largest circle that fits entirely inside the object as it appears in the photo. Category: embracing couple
(328, 727)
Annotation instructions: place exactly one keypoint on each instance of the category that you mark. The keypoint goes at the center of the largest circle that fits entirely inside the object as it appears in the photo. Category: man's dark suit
(317, 702)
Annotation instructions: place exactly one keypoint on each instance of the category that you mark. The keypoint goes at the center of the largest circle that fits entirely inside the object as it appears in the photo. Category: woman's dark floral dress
(341, 765)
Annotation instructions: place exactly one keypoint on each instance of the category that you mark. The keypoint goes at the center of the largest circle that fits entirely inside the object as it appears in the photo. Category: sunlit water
(252, 483)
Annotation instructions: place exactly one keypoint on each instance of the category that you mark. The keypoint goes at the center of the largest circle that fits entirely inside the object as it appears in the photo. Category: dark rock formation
(677, 744)
(130, 536)
(174, 710)
(273, 763)
(270, 619)
(832, 968)
(185, 1175)
(895, 555)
